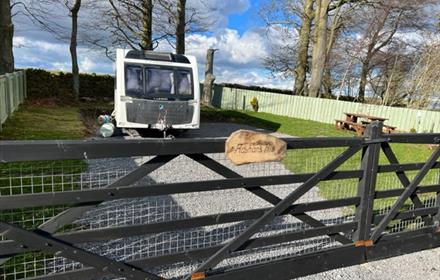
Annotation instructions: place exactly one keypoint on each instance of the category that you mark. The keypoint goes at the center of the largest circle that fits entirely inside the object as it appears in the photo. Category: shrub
(46, 84)
(254, 104)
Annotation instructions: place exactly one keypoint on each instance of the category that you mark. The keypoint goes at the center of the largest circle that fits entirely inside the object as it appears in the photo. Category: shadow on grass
(215, 115)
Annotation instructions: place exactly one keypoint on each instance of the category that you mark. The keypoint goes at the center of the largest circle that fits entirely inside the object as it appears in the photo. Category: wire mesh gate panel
(153, 209)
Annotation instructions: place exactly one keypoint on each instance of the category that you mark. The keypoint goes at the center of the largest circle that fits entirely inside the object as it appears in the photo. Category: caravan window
(159, 81)
(184, 85)
(134, 81)
(153, 81)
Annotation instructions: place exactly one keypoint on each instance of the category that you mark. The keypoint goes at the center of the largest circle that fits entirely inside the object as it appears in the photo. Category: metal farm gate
(167, 209)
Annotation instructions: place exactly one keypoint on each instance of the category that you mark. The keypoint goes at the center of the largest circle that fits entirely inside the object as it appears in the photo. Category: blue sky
(240, 37)
(245, 20)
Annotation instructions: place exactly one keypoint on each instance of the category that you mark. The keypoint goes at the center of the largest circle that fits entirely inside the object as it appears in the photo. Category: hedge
(45, 84)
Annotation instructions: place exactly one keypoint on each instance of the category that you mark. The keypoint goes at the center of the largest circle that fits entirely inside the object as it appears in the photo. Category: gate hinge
(198, 276)
(364, 243)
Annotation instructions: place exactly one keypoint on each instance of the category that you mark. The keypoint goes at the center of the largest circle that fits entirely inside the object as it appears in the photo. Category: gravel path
(423, 265)
(165, 208)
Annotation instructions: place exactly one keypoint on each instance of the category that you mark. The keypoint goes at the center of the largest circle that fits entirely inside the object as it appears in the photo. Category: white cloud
(233, 49)
(56, 56)
(87, 65)
(237, 61)
(253, 77)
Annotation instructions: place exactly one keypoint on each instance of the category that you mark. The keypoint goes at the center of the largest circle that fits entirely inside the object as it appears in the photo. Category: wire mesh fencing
(70, 176)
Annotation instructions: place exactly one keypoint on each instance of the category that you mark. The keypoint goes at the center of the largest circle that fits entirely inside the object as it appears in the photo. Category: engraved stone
(246, 146)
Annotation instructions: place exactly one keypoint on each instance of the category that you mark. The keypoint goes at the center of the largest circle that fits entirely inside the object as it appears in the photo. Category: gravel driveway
(165, 208)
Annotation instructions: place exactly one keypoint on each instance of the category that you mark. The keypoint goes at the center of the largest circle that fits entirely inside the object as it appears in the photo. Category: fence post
(20, 87)
(24, 85)
(2, 101)
(367, 185)
(436, 217)
(16, 86)
(8, 95)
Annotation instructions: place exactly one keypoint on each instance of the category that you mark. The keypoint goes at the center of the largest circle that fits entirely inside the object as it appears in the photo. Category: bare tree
(289, 24)
(319, 47)
(177, 18)
(422, 85)
(130, 24)
(180, 26)
(314, 20)
(324, 40)
(303, 48)
(74, 10)
(45, 14)
(6, 36)
(382, 21)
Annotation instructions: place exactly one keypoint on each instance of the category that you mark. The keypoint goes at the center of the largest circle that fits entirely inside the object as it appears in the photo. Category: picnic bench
(358, 122)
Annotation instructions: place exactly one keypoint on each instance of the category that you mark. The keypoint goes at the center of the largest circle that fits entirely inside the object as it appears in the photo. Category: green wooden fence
(324, 110)
(12, 93)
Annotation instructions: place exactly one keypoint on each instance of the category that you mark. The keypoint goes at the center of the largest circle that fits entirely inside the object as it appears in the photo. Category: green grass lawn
(311, 160)
(291, 126)
(39, 122)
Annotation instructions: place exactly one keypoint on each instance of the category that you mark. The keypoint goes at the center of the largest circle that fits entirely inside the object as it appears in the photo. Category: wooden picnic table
(351, 122)
(353, 117)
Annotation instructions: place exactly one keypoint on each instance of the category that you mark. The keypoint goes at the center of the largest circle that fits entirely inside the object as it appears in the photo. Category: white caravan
(156, 90)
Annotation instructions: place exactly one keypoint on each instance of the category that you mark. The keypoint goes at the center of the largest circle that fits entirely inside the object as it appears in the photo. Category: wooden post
(367, 185)
(209, 77)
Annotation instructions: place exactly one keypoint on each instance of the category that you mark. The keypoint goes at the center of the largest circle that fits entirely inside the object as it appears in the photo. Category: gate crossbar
(405, 195)
(42, 241)
(403, 178)
(262, 193)
(190, 256)
(10, 247)
(68, 216)
(277, 210)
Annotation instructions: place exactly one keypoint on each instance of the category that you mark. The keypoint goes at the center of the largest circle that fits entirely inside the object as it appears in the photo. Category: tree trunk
(327, 82)
(147, 21)
(73, 45)
(6, 35)
(209, 77)
(319, 47)
(363, 78)
(303, 48)
(180, 27)
(327, 79)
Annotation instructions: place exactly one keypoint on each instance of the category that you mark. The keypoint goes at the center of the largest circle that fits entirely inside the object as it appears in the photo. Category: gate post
(367, 185)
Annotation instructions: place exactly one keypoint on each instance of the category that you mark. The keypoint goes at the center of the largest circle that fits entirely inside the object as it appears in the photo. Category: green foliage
(45, 84)
(254, 104)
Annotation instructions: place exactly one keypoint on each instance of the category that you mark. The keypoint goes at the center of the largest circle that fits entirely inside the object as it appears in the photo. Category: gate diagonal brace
(404, 180)
(262, 193)
(71, 214)
(279, 208)
(43, 241)
(405, 195)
